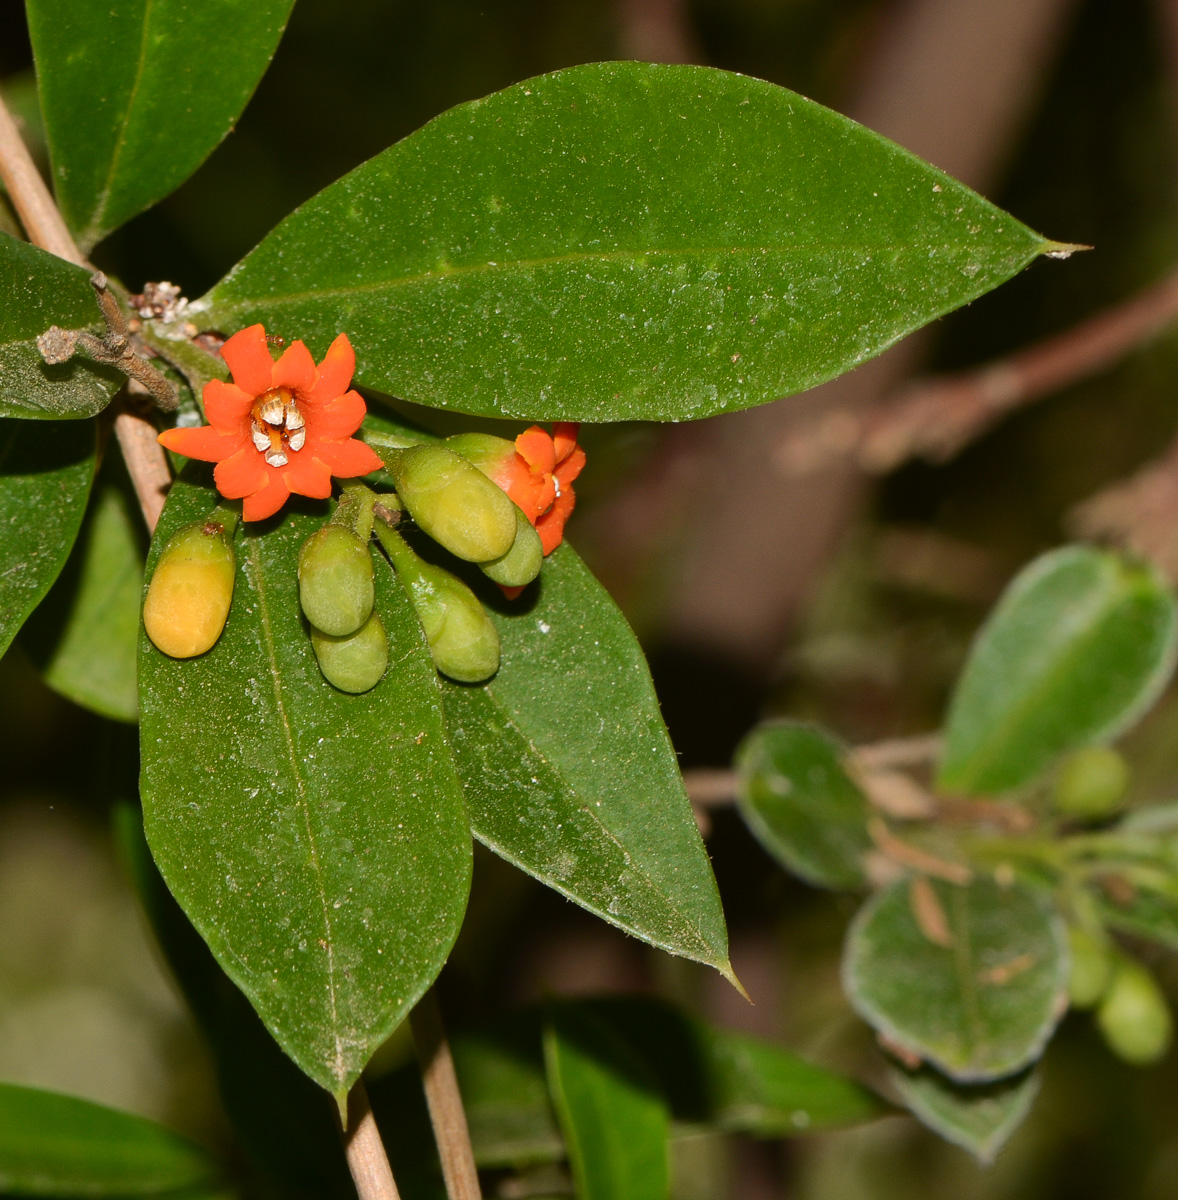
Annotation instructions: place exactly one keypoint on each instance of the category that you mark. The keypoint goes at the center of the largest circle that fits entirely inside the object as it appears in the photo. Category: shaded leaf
(614, 1122)
(317, 840)
(1079, 646)
(568, 770)
(46, 470)
(801, 805)
(621, 241)
(980, 1008)
(979, 1117)
(54, 1145)
(40, 290)
(1146, 914)
(136, 93)
(85, 636)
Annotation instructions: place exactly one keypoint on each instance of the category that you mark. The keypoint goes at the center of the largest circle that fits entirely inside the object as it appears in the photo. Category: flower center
(276, 426)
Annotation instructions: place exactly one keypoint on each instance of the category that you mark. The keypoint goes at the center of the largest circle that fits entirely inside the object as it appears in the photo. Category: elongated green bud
(335, 580)
(1091, 783)
(522, 563)
(1092, 968)
(191, 589)
(357, 661)
(454, 502)
(1134, 1016)
(492, 455)
(462, 639)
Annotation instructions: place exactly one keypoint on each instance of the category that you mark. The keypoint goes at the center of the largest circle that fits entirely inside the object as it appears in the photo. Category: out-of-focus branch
(656, 31)
(365, 1152)
(934, 419)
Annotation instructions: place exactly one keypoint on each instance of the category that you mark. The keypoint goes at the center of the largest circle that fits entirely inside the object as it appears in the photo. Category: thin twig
(936, 418)
(365, 1152)
(444, 1099)
(146, 462)
(912, 856)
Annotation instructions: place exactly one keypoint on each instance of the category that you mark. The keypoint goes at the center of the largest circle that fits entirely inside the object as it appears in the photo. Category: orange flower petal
(572, 466)
(348, 459)
(550, 526)
(537, 450)
(335, 371)
(307, 476)
(564, 438)
(511, 592)
(267, 501)
(241, 475)
(341, 417)
(204, 443)
(533, 493)
(249, 360)
(226, 406)
(295, 369)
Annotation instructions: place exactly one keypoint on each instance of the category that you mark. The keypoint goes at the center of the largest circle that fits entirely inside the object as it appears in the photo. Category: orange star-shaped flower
(279, 427)
(539, 478)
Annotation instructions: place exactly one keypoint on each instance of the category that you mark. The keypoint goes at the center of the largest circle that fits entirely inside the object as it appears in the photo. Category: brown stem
(146, 462)
(364, 1150)
(444, 1099)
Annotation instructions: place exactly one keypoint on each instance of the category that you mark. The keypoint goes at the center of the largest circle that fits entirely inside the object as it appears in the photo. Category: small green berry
(1091, 783)
(521, 564)
(1091, 968)
(357, 661)
(1134, 1016)
(335, 580)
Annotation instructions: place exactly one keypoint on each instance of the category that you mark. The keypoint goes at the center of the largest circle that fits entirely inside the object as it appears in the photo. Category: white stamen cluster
(276, 426)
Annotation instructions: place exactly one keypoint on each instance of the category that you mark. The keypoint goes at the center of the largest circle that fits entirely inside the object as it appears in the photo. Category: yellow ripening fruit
(1091, 784)
(335, 580)
(1134, 1016)
(191, 589)
(356, 662)
(522, 563)
(1092, 968)
(454, 502)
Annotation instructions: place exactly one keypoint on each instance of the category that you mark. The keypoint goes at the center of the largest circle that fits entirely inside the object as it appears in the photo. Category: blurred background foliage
(905, 571)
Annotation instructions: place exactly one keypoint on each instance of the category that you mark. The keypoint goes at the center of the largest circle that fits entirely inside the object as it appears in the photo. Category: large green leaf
(625, 240)
(317, 840)
(615, 1123)
(40, 290)
(801, 805)
(979, 1117)
(85, 636)
(45, 475)
(53, 1145)
(980, 1004)
(1080, 644)
(569, 772)
(136, 93)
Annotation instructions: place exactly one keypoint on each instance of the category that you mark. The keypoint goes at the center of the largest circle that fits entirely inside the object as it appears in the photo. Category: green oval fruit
(454, 502)
(488, 452)
(1091, 784)
(191, 589)
(335, 580)
(1091, 968)
(1134, 1016)
(521, 564)
(355, 662)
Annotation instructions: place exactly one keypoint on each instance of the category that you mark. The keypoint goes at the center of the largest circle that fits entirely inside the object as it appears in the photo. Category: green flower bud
(462, 639)
(191, 589)
(491, 454)
(1134, 1016)
(335, 580)
(454, 502)
(1092, 967)
(357, 661)
(1091, 783)
(521, 564)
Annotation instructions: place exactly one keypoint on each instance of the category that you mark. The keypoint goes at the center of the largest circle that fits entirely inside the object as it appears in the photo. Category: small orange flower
(539, 478)
(279, 427)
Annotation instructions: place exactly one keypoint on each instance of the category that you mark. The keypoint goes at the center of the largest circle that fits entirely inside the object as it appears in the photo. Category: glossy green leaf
(801, 805)
(979, 1008)
(979, 1117)
(569, 772)
(1079, 646)
(85, 636)
(45, 475)
(136, 93)
(54, 1145)
(40, 290)
(625, 240)
(317, 840)
(286, 1123)
(614, 1121)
